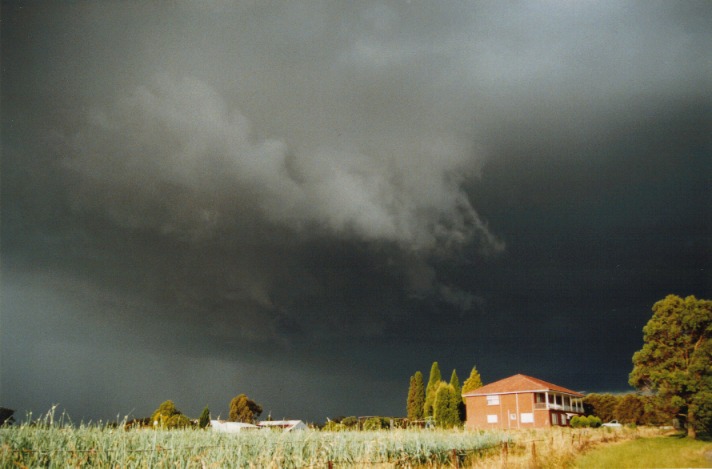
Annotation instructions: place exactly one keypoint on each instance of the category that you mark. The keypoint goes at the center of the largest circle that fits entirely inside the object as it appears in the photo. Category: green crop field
(61, 445)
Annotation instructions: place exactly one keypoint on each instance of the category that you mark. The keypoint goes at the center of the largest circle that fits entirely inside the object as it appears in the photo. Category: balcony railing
(565, 408)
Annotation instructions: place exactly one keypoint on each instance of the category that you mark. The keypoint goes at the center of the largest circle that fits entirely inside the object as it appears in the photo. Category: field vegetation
(50, 442)
(57, 443)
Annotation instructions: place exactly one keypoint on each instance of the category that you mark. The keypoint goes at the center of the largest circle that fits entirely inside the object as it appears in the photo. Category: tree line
(167, 415)
(629, 408)
(440, 402)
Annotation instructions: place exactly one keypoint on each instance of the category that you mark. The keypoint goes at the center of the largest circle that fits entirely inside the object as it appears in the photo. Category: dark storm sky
(309, 201)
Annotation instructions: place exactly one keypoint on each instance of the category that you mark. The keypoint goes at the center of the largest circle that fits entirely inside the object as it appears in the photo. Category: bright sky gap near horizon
(307, 202)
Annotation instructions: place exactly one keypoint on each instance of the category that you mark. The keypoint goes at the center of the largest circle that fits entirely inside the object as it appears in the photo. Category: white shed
(285, 425)
(231, 427)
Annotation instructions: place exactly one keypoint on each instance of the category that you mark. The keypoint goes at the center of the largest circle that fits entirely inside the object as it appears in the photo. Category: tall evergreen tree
(433, 383)
(473, 382)
(457, 402)
(416, 397)
(455, 382)
(204, 420)
(444, 409)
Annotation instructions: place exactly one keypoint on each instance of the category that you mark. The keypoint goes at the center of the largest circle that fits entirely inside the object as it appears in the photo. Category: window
(527, 417)
(554, 419)
(492, 418)
(492, 400)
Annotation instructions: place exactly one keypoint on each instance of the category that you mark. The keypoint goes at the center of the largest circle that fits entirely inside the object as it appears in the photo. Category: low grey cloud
(174, 157)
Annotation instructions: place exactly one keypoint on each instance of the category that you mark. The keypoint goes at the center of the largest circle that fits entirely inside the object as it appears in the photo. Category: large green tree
(473, 382)
(168, 416)
(445, 412)
(676, 358)
(433, 383)
(416, 397)
(244, 409)
(165, 411)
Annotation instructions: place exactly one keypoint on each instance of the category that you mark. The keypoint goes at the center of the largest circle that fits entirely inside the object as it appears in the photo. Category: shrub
(581, 421)
(331, 426)
(349, 421)
(178, 421)
(373, 423)
(577, 421)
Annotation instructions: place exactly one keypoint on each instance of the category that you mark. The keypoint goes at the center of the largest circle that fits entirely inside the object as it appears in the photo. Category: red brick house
(521, 401)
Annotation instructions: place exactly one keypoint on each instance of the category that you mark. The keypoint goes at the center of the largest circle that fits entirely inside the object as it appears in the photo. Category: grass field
(659, 452)
(561, 447)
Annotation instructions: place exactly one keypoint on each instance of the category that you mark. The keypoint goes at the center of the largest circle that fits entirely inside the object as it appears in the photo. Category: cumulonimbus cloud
(174, 157)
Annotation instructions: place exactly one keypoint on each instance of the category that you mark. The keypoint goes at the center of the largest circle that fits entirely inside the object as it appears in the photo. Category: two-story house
(521, 402)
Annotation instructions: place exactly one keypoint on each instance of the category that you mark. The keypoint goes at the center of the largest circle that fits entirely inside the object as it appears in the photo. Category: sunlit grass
(555, 448)
(668, 451)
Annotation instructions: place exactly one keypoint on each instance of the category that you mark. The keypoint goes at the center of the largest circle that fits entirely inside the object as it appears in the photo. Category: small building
(521, 402)
(283, 425)
(224, 426)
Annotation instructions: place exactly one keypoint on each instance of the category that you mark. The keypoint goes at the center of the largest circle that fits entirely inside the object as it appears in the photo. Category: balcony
(565, 408)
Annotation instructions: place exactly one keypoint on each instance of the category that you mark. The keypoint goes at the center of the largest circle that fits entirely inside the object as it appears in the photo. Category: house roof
(519, 383)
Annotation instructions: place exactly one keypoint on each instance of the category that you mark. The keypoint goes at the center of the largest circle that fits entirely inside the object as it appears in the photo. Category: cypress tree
(444, 412)
(455, 382)
(457, 403)
(473, 382)
(433, 383)
(416, 397)
(204, 420)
